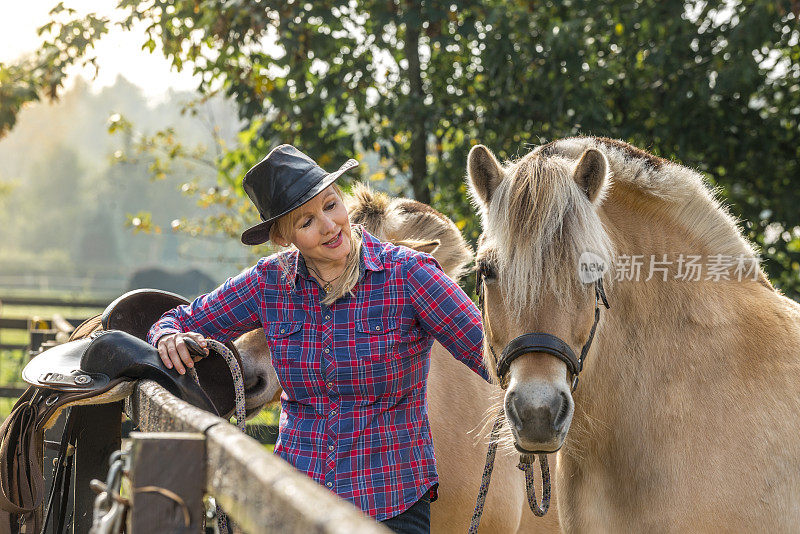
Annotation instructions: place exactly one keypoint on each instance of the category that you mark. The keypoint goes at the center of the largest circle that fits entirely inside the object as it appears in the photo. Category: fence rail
(38, 331)
(56, 302)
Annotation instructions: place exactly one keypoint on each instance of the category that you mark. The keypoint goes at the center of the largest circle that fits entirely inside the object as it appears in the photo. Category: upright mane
(686, 196)
(539, 202)
(404, 221)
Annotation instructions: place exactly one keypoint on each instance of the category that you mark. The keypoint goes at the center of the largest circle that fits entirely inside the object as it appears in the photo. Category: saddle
(100, 368)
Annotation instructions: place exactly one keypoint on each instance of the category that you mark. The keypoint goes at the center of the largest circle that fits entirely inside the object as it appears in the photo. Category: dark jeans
(415, 520)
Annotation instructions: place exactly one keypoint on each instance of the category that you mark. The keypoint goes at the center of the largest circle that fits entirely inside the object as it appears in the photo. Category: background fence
(29, 323)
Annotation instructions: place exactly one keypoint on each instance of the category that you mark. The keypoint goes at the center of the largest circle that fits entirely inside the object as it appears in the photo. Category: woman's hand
(174, 352)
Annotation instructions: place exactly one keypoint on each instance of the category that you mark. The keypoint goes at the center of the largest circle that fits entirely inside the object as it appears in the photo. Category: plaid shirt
(354, 411)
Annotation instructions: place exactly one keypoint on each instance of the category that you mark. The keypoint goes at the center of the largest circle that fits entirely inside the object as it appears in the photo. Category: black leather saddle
(93, 364)
(116, 349)
(101, 367)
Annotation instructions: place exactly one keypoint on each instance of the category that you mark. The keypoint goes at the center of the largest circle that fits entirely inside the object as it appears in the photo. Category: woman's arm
(446, 312)
(223, 314)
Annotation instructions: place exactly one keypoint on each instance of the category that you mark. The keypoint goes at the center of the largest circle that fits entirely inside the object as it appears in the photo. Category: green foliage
(63, 221)
(44, 74)
(713, 85)
(5, 191)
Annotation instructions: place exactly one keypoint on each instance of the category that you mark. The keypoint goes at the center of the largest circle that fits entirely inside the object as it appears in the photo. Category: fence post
(98, 431)
(165, 466)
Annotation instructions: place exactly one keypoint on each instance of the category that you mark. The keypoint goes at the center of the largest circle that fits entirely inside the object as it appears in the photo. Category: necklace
(327, 283)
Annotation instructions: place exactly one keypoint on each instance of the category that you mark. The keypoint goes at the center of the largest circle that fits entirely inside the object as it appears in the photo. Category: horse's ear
(590, 173)
(420, 245)
(485, 173)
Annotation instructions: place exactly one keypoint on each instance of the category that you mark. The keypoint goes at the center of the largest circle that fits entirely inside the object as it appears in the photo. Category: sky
(118, 52)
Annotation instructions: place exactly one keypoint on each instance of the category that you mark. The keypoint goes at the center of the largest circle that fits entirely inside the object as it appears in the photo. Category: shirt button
(330, 384)
(327, 317)
(329, 484)
(333, 412)
(377, 328)
(327, 351)
(283, 330)
(330, 447)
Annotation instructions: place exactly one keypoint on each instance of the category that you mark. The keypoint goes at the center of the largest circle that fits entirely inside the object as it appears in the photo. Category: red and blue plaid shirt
(354, 411)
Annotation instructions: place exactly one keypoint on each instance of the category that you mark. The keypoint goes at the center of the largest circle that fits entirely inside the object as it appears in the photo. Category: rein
(110, 508)
(526, 465)
(240, 412)
(526, 343)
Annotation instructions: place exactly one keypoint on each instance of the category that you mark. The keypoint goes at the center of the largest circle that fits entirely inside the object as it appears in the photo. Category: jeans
(415, 520)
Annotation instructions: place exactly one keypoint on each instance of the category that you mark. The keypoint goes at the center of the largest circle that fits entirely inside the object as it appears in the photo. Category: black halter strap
(538, 342)
(543, 342)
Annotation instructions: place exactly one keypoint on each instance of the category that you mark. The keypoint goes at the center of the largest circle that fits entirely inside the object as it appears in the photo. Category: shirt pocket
(376, 338)
(285, 340)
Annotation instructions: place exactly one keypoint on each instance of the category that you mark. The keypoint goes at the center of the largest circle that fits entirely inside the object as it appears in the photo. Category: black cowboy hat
(281, 182)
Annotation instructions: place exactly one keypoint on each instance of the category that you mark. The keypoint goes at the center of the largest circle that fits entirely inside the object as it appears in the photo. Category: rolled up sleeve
(446, 312)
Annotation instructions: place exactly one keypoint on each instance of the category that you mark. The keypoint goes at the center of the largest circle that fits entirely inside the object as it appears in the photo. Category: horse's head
(539, 216)
(411, 223)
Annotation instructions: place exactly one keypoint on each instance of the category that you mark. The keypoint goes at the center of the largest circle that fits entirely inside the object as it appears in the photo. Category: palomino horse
(687, 414)
(459, 401)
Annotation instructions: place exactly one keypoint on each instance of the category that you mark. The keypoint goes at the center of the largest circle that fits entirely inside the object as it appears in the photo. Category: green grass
(47, 312)
(268, 416)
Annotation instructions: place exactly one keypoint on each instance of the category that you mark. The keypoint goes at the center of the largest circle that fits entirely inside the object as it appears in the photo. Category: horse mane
(686, 196)
(403, 220)
(539, 202)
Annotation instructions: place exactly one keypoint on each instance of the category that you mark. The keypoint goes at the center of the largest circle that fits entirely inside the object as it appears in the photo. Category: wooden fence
(260, 492)
(38, 330)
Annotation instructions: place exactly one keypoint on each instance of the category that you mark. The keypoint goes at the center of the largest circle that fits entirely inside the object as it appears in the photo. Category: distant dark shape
(188, 283)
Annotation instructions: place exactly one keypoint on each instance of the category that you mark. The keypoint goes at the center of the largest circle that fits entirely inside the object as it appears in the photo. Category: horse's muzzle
(539, 417)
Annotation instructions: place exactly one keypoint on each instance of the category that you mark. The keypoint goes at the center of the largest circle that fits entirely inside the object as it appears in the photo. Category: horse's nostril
(512, 415)
(561, 414)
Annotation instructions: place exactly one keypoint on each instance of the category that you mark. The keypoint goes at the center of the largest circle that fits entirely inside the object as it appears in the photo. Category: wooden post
(171, 461)
(98, 435)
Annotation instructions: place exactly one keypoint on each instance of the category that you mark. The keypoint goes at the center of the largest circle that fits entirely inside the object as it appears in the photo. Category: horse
(459, 401)
(687, 411)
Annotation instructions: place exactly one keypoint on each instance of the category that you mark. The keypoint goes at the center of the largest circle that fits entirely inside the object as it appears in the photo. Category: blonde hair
(345, 283)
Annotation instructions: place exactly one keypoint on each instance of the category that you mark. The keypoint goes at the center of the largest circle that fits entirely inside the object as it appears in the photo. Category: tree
(714, 85)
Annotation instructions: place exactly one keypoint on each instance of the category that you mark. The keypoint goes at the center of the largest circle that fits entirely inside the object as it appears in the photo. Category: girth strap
(20, 451)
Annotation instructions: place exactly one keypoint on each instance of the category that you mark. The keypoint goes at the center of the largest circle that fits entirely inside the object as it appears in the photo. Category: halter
(542, 342)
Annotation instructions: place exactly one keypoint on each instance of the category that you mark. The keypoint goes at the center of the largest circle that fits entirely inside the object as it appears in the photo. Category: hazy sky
(118, 52)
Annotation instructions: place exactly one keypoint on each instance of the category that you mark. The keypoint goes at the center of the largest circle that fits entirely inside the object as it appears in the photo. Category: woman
(350, 322)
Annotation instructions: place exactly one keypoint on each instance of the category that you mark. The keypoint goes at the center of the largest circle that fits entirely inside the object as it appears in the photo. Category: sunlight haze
(118, 52)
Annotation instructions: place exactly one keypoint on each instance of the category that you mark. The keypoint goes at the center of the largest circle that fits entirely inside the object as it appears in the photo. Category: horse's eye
(486, 270)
